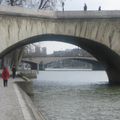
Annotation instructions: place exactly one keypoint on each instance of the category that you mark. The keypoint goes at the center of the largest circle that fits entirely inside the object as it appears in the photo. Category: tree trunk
(12, 2)
(17, 56)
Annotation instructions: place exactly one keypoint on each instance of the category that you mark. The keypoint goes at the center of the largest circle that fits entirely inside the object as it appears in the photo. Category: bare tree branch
(41, 2)
(45, 4)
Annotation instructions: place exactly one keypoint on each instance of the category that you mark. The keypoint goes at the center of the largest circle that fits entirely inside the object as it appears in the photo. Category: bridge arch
(102, 53)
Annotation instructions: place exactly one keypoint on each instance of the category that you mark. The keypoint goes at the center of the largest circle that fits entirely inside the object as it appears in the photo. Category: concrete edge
(24, 78)
(28, 109)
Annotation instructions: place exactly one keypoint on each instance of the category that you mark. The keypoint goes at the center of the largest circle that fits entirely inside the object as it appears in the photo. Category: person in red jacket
(5, 76)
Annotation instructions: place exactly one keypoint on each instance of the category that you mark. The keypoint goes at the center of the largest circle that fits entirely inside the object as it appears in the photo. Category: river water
(76, 95)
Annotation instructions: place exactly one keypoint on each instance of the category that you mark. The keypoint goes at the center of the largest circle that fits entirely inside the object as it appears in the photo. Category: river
(76, 95)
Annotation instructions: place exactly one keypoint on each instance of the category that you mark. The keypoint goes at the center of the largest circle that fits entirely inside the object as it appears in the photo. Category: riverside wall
(34, 113)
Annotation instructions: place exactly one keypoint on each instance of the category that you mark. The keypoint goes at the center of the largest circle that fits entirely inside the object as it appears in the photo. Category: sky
(76, 5)
(92, 4)
(56, 46)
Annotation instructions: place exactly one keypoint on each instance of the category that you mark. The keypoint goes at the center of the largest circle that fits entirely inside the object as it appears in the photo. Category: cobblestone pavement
(9, 105)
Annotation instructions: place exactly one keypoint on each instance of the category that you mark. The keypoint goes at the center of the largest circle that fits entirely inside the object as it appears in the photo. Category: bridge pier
(113, 76)
(33, 66)
(41, 66)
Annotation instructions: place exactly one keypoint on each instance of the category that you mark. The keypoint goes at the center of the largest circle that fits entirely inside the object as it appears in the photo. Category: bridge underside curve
(109, 59)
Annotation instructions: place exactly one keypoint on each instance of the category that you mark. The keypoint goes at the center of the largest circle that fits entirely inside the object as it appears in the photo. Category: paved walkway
(10, 108)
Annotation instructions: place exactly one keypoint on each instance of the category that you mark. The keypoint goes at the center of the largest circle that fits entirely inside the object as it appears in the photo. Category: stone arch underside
(102, 53)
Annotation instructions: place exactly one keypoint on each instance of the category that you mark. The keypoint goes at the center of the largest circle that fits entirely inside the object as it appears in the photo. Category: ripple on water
(80, 101)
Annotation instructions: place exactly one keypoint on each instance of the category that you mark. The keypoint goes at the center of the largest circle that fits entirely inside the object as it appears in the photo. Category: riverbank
(15, 103)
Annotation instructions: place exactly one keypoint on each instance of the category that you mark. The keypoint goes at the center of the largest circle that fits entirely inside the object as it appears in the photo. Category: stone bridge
(44, 60)
(97, 32)
(49, 59)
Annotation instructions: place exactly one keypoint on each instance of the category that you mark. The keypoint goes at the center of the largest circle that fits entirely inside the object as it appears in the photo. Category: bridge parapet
(25, 12)
(93, 14)
(46, 59)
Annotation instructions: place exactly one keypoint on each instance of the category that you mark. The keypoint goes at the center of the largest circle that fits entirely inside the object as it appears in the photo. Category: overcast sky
(77, 5)
(92, 4)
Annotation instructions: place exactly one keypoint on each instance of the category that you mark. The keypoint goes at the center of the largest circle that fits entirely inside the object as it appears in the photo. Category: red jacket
(5, 74)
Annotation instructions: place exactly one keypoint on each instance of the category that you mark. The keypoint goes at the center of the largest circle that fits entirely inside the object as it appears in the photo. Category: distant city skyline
(56, 46)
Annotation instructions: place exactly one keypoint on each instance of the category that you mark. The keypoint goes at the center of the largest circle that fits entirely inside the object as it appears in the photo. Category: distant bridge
(48, 59)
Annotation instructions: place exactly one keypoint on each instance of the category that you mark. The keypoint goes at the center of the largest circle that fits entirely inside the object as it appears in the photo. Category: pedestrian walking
(5, 76)
(13, 71)
(85, 7)
(99, 9)
(63, 4)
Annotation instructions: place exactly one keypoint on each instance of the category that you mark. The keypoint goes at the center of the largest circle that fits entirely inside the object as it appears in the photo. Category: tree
(46, 4)
(13, 2)
(37, 4)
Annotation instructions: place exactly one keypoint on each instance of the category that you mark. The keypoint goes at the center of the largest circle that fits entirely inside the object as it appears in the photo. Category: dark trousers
(5, 83)
(14, 75)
